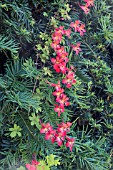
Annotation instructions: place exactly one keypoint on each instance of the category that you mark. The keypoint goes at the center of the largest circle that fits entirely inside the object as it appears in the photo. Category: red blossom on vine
(67, 32)
(76, 48)
(75, 25)
(60, 137)
(85, 8)
(50, 135)
(32, 166)
(60, 29)
(70, 143)
(63, 100)
(81, 29)
(89, 2)
(69, 80)
(58, 92)
(45, 128)
(56, 36)
(64, 127)
(57, 86)
(59, 109)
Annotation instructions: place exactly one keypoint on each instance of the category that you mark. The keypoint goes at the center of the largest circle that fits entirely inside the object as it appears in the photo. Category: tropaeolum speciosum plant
(60, 66)
(59, 135)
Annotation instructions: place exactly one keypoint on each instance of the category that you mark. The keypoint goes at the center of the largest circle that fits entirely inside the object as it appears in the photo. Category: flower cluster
(69, 79)
(78, 27)
(59, 63)
(61, 60)
(60, 66)
(61, 98)
(88, 4)
(33, 165)
(59, 135)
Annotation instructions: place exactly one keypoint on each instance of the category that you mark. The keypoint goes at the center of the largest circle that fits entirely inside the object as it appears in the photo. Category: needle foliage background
(26, 98)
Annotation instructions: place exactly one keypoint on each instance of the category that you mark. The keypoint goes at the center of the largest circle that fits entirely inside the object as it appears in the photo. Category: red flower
(58, 92)
(81, 29)
(56, 36)
(76, 48)
(68, 82)
(57, 63)
(85, 8)
(55, 45)
(75, 25)
(64, 127)
(57, 86)
(34, 162)
(63, 67)
(63, 100)
(89, 2)
(62, 54)
(56, 60)
(59, 109)
(69, 79)
(56, 68)
(67, 32)
(60, 137)
(60, 29)
(31, 167)
(70, 143)
(60, 50)
(50, 135)
(45, 128)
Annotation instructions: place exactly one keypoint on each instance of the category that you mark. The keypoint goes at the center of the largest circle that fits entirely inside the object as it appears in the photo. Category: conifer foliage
(56, 85)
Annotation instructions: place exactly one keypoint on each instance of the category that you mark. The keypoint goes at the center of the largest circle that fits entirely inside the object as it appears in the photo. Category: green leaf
(45, 14)
(35, 120)
(15, 131)
(51, 160)
(56, 162)
(21, 168)
(13, 134)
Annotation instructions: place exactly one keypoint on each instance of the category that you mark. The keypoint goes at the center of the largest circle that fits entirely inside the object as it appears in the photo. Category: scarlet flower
(45, 128)
(62, 54)
(58, 92)
(31, 167)
(69, 79)
(60, 137)
(60, 50)
(64, 127)
(56, 68)
(63, 67)
(85, 8)
(81, 29)
(56, 36)
(59, 109)
(76, 48)
(55, 45)
(70, 143)
(75, 25)
(89, 2)
(56, 60)
(34, 162)
(63, 100)
(50, 135)
(60, 29)
(67, 32)
(68, 82)
(57, 86)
